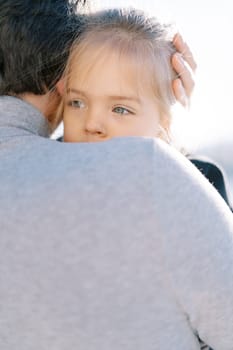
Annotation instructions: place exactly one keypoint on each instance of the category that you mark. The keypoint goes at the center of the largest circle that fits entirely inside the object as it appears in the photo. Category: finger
(179, 92)
(185, 51)
(184, 73)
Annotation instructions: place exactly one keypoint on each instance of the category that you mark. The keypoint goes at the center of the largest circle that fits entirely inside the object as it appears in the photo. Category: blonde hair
(129, 33)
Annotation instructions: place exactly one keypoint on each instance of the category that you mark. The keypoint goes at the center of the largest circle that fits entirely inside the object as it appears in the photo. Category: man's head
(35, 37)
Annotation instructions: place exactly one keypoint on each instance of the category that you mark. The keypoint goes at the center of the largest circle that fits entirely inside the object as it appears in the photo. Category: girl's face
(107, 101)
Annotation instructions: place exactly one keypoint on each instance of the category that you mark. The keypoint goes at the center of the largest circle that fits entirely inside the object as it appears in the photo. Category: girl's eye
(121, 110)
(77, 104)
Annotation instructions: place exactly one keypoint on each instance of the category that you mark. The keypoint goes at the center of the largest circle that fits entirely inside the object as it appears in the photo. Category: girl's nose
(95, 126)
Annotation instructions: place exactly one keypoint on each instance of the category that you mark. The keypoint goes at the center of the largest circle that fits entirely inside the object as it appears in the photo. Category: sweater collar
(19, 117)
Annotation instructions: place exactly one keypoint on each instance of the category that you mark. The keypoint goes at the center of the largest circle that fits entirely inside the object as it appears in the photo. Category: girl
(118, 80)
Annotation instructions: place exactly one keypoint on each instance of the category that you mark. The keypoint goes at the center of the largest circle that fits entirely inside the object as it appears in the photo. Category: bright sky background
(207, 26)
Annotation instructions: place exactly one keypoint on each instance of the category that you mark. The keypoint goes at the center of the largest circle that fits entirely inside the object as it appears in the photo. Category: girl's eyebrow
(125, 98)
(78, 92)
(110, 97)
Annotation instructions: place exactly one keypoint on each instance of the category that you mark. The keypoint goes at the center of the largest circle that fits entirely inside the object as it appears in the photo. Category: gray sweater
(120, 245)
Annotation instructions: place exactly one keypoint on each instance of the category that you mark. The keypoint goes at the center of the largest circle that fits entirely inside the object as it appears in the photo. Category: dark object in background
(215, 176)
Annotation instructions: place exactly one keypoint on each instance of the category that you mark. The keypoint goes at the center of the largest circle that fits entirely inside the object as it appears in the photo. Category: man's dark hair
(35, 37)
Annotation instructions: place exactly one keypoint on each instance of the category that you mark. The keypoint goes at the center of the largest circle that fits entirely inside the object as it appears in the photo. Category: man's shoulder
(130, 149)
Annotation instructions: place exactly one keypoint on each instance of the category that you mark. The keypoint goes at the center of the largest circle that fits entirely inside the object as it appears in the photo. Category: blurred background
(207, 26)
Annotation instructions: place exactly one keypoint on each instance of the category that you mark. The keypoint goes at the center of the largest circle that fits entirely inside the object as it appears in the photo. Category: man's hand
(184, 65)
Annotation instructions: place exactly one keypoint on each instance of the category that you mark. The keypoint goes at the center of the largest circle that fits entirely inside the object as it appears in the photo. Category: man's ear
(60, 86)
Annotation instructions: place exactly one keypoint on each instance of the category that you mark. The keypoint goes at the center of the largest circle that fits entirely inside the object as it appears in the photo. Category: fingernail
(183, 97)
(181, 39)
(178, 37)
(184, 100)
(180, 58)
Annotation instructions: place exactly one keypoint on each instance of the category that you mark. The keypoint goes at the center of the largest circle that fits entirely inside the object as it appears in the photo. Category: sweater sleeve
(197, 229)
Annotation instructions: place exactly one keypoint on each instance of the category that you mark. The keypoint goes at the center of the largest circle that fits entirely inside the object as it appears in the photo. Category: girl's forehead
(94, 58)
(117, 64)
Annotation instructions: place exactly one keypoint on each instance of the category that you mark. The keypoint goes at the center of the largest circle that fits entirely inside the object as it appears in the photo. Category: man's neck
(40, 102)
(47, 104)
